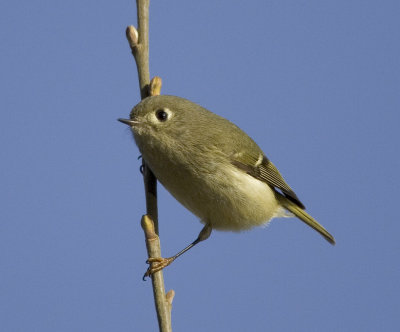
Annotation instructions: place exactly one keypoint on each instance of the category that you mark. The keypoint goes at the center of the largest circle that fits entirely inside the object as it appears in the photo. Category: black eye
(162, 115)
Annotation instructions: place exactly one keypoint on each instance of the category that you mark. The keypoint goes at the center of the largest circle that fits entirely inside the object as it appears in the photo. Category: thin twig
(162, 301)
(139, 43)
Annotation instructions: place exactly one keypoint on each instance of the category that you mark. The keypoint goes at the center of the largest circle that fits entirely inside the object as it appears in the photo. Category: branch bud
(148, 227)
(155, 86)
(132, 35)
(169, 297)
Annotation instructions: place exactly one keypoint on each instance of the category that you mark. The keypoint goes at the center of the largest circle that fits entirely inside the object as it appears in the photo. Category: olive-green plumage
(212, 167)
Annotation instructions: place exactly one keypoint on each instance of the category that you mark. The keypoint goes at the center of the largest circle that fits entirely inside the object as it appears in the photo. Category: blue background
(315, 83)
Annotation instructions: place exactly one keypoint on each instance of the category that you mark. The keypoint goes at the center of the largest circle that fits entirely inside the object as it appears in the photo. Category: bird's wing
(261, 168)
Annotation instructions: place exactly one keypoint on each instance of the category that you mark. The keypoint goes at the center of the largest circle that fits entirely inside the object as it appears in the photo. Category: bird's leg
(158, 263)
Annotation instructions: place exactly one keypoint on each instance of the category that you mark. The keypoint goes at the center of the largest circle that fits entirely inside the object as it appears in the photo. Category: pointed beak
(130, 123)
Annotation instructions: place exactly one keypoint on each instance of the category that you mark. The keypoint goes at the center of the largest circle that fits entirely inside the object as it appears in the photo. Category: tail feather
(305, 217)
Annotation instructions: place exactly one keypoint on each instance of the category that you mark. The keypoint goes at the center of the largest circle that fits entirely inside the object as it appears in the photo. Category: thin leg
(158, 263)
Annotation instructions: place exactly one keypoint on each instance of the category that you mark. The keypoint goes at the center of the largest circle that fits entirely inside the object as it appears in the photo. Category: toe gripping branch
(156, 262)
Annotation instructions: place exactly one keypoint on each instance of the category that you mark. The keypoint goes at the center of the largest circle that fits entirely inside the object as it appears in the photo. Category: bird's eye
(161, 115)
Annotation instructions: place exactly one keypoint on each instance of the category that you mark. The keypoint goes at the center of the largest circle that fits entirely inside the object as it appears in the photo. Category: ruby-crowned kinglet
(212, 167)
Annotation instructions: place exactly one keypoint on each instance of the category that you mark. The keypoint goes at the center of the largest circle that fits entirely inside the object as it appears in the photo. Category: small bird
(211, 167)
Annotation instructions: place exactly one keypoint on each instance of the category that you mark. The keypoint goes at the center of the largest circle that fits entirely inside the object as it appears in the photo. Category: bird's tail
(304, 216)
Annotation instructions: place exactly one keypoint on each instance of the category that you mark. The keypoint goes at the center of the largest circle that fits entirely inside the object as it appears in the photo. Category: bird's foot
(157, 264)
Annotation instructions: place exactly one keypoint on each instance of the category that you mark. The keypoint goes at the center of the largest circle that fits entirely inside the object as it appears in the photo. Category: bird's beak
(130, 123)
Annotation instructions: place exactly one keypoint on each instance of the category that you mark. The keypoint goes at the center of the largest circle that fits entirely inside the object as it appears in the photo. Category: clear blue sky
(315, 83)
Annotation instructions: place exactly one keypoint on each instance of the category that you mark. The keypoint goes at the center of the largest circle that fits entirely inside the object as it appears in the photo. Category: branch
(139, 44)
(162, 301)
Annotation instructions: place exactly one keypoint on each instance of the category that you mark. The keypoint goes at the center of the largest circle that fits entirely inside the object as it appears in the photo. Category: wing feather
(264, 170)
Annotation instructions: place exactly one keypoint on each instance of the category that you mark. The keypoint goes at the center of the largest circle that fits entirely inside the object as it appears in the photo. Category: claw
(157, 264)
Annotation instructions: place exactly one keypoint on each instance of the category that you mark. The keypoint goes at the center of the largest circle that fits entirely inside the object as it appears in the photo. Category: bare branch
(139, 43)
(163, 302)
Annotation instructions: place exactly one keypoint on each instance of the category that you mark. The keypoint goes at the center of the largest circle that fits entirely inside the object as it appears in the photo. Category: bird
(212, 168)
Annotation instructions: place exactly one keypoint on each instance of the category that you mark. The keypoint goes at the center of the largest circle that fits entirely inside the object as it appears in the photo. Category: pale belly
(229, 200)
